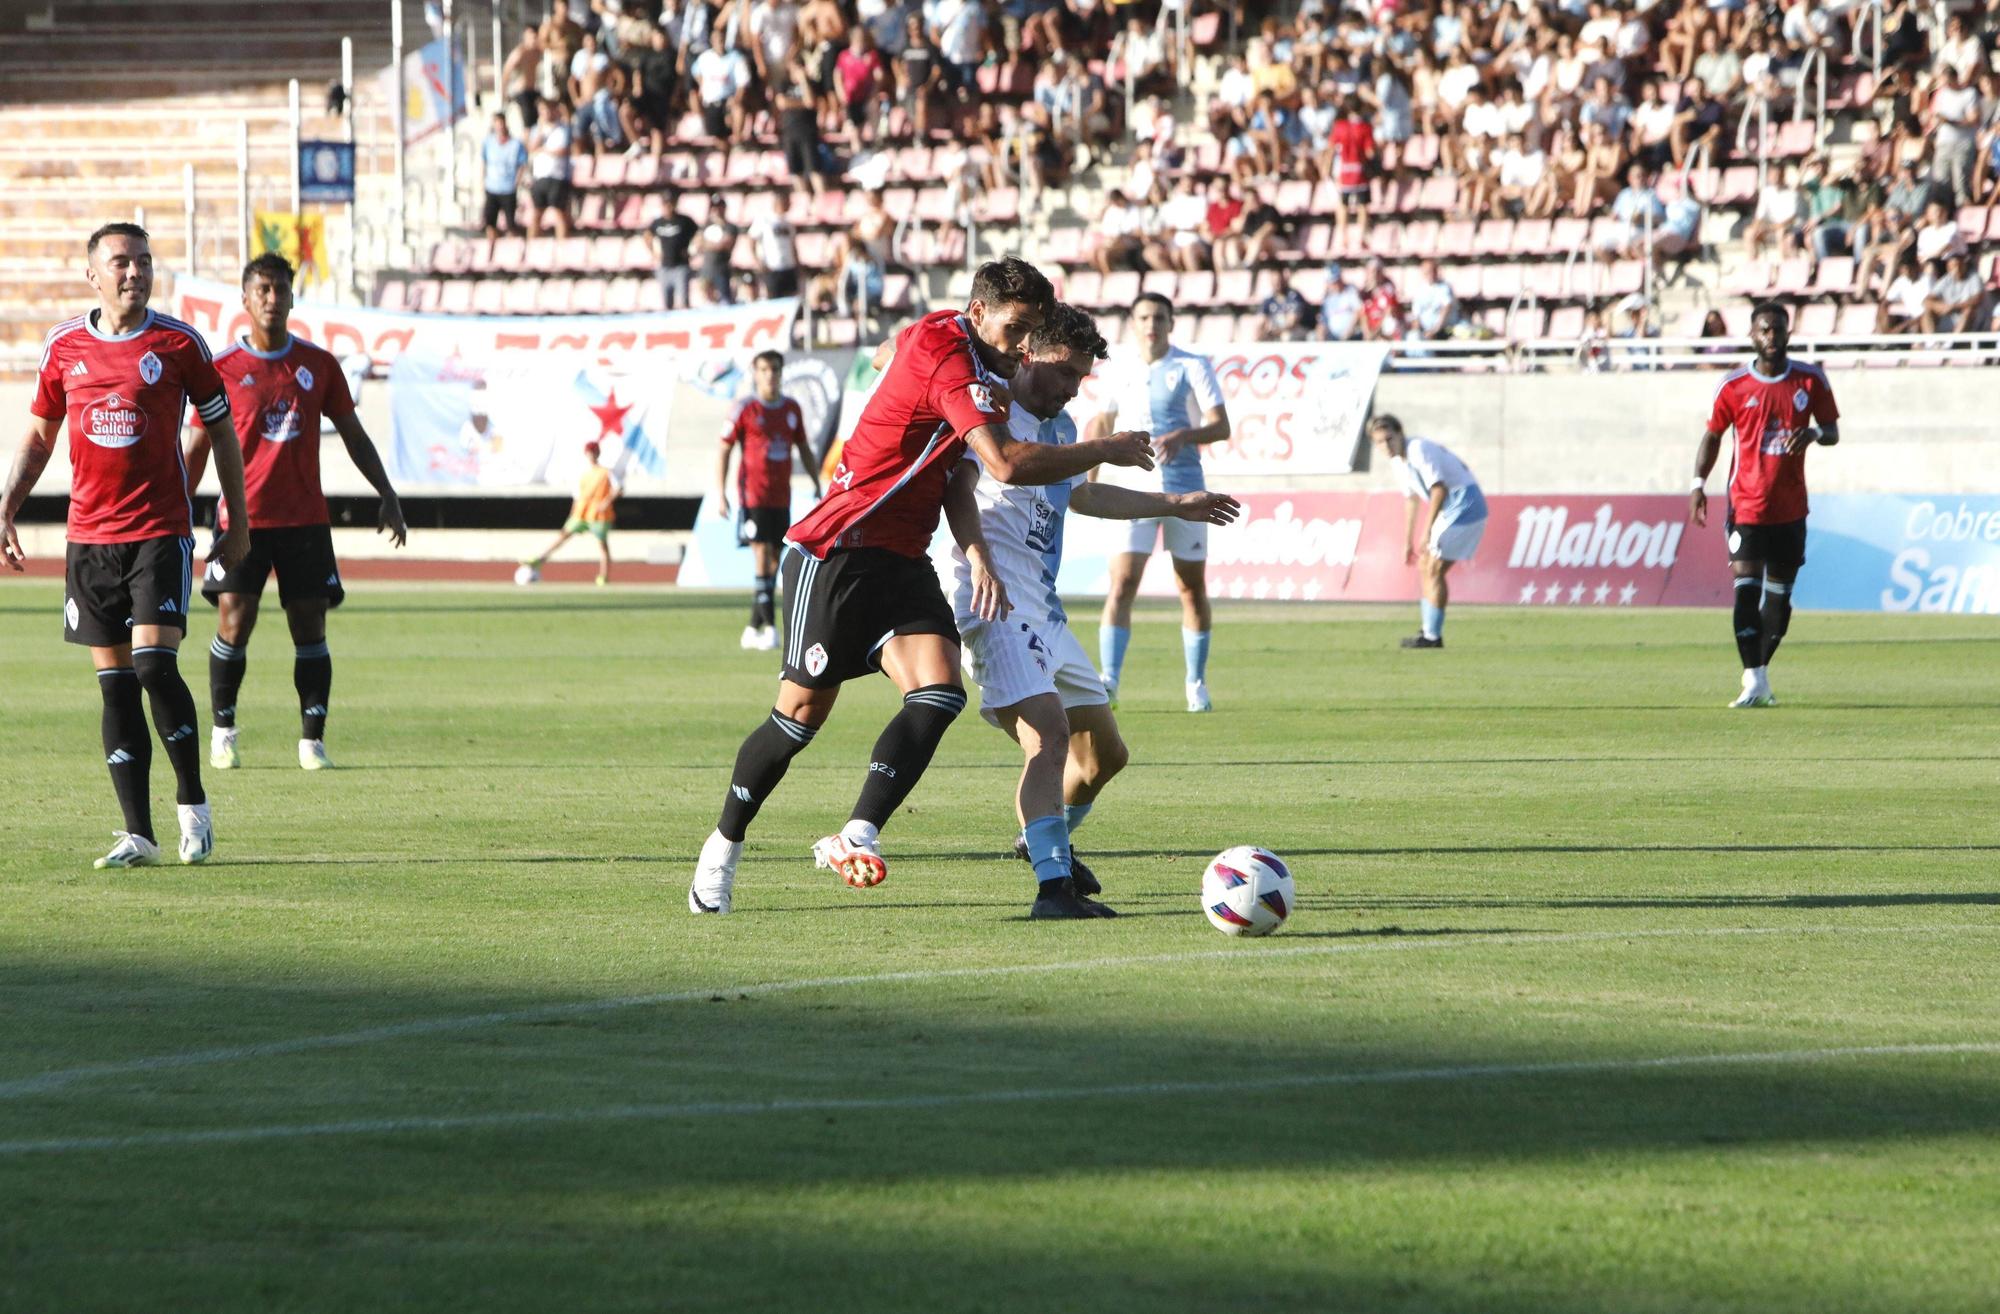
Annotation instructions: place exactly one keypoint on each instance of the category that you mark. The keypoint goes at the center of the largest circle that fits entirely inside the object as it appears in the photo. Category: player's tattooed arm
(1704, 461)
(961, 513)
(36, 448)
(361, 450)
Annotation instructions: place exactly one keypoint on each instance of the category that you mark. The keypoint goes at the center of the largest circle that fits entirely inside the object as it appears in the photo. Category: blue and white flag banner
(1902, 553)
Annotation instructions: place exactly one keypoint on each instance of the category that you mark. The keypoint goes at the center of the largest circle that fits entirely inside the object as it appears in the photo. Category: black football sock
(226, 663)
(763, 608)
(312, 676)
(1776, 616)
(760, 765)
(174, 718)
(905, 749)
(1749, 625)
(128, 749)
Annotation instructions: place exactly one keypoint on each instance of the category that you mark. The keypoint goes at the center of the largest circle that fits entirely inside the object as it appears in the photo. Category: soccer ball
(527, 574)
(1246, 891)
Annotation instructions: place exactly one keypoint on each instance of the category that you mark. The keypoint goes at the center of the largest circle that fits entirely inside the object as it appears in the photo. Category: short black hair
(1771, 310)
(1385, 421)
(777, 359)
(1159, 299)
(1067, 328)
(272, 266)
(115, 230)
(1011, 280)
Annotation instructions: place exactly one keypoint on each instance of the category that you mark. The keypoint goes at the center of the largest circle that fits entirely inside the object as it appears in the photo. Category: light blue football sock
(1048, 847)
(1074, 813)
(1112, 640)
(1194, 649)
(1433, 620)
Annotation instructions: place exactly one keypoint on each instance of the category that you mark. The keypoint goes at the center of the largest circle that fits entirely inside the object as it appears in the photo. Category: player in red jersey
(1778, 408)
(767, 428)
(279, 387)
(121, 376)
(860, 593)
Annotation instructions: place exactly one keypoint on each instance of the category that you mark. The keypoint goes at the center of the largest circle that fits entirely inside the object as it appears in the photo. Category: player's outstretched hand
(232, 547)
(10, 547)
(1132, 448)
(1698, 508)
(1209, 508)
(989, 595)
(390, 521)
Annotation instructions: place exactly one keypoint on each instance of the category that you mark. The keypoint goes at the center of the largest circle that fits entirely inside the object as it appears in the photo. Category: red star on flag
(610, 417)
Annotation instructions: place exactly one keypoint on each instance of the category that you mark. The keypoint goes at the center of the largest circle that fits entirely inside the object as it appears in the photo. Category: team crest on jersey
(71, 614)
(149, 368)
(305, 378)
(281, 421)
(1735, 541)
(815, 659)
(982, 397)
(113, 422)
(1799, 400)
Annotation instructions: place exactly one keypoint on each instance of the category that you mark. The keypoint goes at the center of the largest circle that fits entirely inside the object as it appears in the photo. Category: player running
(1432, 477)
(121, 375)
(279, 386)
(1174, 394)
(1769, 403)
(766, 427)
(1035, 680)
(860, 594)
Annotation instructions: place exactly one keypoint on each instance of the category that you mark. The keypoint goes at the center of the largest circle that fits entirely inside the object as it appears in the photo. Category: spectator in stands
(1395, 119)
(1652, 125)
(1956, 298)
(1519, 177)
(1353, 150)
(795, 101)
(1718, 69)
(1340, 310)
(1183, 241)
(1606, 108)
(1604, 164)
(774, 38)
(1637, 209)
(1779, 217)
(1434, 310)
(1287, 315)
(822, 35)
(1679, 235)
(673, 233)
(861, 78)
(1381, 306)
(517, 75)
(597, 89)
(715, 247)
(1903, 306)
(722, 89)
(1824, 230)
(1939, 235)
(649, 111)
(1986, 170)
(1592, 356)
(1274, 133)
(1318, 112)
(919, 75)
(549, 167)
(1260, 232)
(1714, 326)
(774, 255)
(959, 28)
(1120, 228)
(1698, 120)
(1953, 128)
(504, 159)
(1219, 219)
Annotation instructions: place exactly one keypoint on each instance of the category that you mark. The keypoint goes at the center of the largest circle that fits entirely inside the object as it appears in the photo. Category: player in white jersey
(1035, 680)
(1431, 476)
(1172, 394)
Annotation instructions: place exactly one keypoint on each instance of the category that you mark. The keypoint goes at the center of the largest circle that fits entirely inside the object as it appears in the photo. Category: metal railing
(1762, 108)
(1815, 63)
(1665, 353)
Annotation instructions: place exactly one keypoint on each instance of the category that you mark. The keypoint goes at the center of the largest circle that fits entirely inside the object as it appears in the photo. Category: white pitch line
(1028, 1095)
(43, 1083)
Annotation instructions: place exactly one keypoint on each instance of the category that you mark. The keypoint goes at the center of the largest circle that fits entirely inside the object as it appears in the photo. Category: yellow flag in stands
(300, 239)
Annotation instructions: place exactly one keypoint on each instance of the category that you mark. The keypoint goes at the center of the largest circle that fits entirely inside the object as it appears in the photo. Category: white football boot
(312, 755)
(1197, 692)
(130, 851)
(197, 832)
(767, 639)
(714, 875)
(1756, 690)
(751, 640)
(859, 862)
(222, 753)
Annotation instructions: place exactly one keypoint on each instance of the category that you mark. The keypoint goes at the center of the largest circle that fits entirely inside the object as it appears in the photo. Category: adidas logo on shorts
(168, 606)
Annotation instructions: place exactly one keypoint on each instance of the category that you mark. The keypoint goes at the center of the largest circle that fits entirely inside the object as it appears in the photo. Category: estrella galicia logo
(149, 368)
(113, 422)
(281, 421)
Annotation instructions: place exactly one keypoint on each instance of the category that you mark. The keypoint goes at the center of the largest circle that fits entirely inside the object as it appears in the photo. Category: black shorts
(781, 282)
(799, 135)
(498, 212)
(301, 554)
(763, 524)
(110, 587)
(715, 119)
(550, 194)
(1774, 545)
(839, 612)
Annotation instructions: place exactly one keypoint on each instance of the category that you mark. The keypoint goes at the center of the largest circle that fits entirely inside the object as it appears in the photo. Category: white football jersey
(1426, 464)
(1171, 393)
(1023, 525)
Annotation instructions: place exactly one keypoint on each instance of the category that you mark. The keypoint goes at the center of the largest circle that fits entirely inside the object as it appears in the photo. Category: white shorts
(1013, 660)
(1457, 540)
(1187, 540)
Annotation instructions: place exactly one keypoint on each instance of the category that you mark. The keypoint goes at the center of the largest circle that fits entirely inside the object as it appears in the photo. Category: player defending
(121, 375)
(592, 511)
(1772, 403)
(279, 387)
(1035, 680)
(766, 428)
(860, 594)
(1432, 477)
(1172, 393)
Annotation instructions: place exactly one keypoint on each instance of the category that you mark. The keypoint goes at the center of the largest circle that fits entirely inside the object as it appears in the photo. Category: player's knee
(156, 667)
(1110, 757)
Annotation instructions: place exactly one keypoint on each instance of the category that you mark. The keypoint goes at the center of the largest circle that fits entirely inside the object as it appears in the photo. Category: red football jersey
(888, 489)
(1767, 487)
(1354, 141)
(123, 397)
(764, 465)
(277, 400)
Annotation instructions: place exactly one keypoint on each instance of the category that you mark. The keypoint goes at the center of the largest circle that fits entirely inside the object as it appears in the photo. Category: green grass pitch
(1599, 997)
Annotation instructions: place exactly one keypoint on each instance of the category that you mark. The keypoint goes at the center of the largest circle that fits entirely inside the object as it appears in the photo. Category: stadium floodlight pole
(297, 132)
(243, 191)
(399, 221)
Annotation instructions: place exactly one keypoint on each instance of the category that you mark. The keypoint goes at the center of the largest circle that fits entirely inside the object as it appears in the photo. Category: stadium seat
(933, 206)
(1793, 277)
(1438, 194)
(555, 296)
(489, 296)
(1817, 320)
(1419, 237)
(1494, 237)
(1316, 242)
(1626, 277)
(1835, 275)
(540, 256)
(393, 294)
(452, 298)
(899, 202)
(509, 255)
(519, 296)
(608, 172)
(1205, 30)
(1531, 238)
(1196, 289)
(1082, 287)
(1972, 221)
(1499, 282)
(1233, 287)
(1795, 139)
(1525, 323)
(572, 253)
(623, 296)
(1215, 330)
(1163, 281)
(653, 299)
(1544, 280)
(1566, 323)
(1567, 235)
(452, 256)
(588, 298)
(583, 172)
(1385, 239)
(1420, 153)
(1464, 280)
(1454, 239)
(1738, 187)
(1120, 288)
(1002, 206)
(1993, 224)
(642, 171)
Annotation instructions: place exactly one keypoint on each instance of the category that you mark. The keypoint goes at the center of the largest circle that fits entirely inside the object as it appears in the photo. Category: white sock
(860, 833)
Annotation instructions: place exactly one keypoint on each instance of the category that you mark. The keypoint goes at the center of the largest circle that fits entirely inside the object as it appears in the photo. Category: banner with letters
(1902, 553)
(1294, 408)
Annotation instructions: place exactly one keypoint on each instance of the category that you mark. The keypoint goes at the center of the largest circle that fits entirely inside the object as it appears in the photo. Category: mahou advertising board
(1546, 550)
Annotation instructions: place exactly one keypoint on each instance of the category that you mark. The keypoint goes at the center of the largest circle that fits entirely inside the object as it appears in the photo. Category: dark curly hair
(1011, 280)
(1065, 328)
(272, 266)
